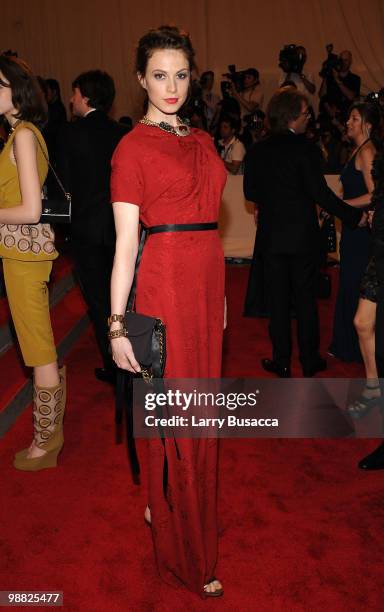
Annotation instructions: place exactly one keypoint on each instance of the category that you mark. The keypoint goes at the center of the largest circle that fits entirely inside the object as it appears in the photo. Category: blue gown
(355, 247)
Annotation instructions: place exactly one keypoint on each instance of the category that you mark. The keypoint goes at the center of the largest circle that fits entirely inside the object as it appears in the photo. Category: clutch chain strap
(147, 373)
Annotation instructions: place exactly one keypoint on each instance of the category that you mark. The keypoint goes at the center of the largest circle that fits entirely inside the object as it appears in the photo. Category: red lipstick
(171, 100)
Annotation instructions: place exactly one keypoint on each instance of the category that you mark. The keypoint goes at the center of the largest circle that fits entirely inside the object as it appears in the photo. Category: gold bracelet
(115, 317)
(117, 333)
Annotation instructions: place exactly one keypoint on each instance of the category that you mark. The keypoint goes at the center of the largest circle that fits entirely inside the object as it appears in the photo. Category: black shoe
(107, 375)
(271, 366)
(374, 461)
(318, 366)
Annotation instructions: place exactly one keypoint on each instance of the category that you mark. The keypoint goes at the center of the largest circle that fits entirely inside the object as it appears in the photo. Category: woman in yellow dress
(27, 250)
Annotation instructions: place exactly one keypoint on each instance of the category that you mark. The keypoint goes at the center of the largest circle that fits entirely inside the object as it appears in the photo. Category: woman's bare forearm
(361, 201)
(121, 280)
(20, 214)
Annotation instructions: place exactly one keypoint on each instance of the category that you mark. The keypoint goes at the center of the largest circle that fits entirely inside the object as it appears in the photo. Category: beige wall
(61, 38)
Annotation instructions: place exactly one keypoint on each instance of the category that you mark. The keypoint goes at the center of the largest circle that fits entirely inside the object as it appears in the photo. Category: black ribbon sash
(124, 384)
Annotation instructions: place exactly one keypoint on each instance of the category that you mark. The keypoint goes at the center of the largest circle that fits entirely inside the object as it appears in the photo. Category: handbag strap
(132, 293)
(66, 193)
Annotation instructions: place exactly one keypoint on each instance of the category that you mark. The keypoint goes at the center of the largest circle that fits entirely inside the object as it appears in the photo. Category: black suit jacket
(84, 162)
(283, 176)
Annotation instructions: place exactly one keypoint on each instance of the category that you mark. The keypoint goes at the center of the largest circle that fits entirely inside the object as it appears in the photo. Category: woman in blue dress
(356, 302)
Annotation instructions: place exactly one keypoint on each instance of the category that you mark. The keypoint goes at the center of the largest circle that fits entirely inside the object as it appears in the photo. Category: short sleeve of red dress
(127, 183)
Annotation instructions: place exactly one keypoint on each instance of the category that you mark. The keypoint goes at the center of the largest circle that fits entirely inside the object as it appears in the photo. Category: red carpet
(301, 527)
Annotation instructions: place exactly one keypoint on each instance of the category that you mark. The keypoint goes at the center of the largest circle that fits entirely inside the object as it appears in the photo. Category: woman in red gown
(165, 174)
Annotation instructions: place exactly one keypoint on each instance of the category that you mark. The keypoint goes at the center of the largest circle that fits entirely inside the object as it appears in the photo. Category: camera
(292, 59)
(375, 97)
(333, 62)
(255, 121)
(225, 87)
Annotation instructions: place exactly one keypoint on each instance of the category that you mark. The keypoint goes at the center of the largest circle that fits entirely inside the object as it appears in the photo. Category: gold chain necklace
(178, 130)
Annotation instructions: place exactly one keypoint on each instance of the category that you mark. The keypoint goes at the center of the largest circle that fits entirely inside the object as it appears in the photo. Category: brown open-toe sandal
(217, 593)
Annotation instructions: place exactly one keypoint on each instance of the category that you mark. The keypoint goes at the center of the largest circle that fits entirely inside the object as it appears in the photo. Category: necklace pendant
(179, 130)
(182, 130)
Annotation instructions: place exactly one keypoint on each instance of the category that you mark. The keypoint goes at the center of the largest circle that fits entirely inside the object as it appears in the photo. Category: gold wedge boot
(48, 414)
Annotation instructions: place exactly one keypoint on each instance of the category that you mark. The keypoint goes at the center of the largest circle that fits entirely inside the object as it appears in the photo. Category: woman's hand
(324, 214)
(123, 356)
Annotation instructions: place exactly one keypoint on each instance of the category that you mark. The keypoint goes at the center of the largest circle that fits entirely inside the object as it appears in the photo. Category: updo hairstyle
(164, 37)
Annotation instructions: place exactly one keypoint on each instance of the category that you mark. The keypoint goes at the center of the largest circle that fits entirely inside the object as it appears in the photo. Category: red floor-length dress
(181, 280)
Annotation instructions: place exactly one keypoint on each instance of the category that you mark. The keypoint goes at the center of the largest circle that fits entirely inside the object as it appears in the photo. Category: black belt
(181, 227)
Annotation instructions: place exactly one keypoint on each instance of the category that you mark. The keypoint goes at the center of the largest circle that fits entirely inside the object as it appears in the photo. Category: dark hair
(98, 87)
(27, 95)
(42, 84)
(233, 122)
(165, 37)
(126, 120)
(54, 86)
(370, 113)
(285, 106)
(253, 72)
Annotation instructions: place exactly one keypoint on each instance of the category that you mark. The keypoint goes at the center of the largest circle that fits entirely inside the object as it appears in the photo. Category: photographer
(230, 148)
(227, 107)
(209, 98)
(340, 86)
(194, 110)
(250, 97)
(291, 60)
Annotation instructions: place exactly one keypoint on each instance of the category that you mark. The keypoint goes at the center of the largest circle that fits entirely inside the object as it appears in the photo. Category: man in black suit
(84, 159)
(283, 177)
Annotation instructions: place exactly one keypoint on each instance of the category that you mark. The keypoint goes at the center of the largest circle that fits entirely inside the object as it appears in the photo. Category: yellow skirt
(28, 298)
